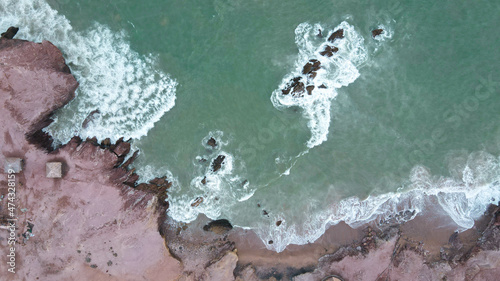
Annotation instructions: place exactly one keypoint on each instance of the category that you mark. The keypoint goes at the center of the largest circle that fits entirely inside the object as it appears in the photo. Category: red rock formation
(88, 225)
(35, 81)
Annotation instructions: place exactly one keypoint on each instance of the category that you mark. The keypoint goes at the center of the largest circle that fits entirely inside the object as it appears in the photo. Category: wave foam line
(337, 70)
(212, 193)
(121, 93)
(464, 199)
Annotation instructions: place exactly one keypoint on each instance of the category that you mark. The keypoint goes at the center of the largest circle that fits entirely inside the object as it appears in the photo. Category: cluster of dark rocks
(329, 50)
(377, 32)
(212, 142)
(217, 163)
(297, 86)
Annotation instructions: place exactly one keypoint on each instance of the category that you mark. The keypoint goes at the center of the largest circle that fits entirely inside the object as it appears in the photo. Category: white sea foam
(386, 34)
(220, 191)
(130, 93)
(336, 71)
(464, 199)
(218, 136)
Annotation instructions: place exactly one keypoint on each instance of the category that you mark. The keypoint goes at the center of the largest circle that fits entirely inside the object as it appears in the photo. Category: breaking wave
(464, 197)
(337, 69)
(121, 93)
(212, 191)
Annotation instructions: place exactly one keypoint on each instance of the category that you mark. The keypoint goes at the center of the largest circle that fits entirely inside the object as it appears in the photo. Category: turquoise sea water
(409, 118)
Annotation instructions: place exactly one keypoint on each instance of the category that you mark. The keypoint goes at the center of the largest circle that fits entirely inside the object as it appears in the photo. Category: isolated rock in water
(197, 202)
(217, 164)
(337, 34)
(310, 89)
(377, 32)
(322, 86)
(212, 142)
(329, 51)
(319, 33)
(218, 226)
(312, 65)
(10, 33)
(90, 118)
(204, 180)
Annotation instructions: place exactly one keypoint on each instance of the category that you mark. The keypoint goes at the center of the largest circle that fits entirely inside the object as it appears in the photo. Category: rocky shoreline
(98, 223)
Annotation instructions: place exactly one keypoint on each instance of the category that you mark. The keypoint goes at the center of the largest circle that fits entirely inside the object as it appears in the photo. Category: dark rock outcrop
(90, 118)
(10, 33)
(310, 89)
(377, 32)
(197, 202)
(338, 34)
(298, 89)
(329, 50)
(212, 142)
(291, 85)
(217, 163)
(220, 227)
(312, 65)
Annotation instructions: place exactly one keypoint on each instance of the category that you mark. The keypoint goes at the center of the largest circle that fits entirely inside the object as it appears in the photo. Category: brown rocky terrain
(91, 224)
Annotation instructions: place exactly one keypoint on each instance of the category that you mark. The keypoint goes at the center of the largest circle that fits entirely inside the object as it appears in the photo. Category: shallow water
(409, 118)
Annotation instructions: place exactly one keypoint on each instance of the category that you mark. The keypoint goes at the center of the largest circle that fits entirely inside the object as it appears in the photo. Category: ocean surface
(395, 124)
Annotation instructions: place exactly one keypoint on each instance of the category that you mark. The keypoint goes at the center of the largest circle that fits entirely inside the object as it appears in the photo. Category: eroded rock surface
(87, 225)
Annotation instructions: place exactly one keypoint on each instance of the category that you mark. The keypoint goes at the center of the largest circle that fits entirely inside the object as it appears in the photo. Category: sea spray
(336, 71)
(463, 198)
(215, 189)
(121, 93)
